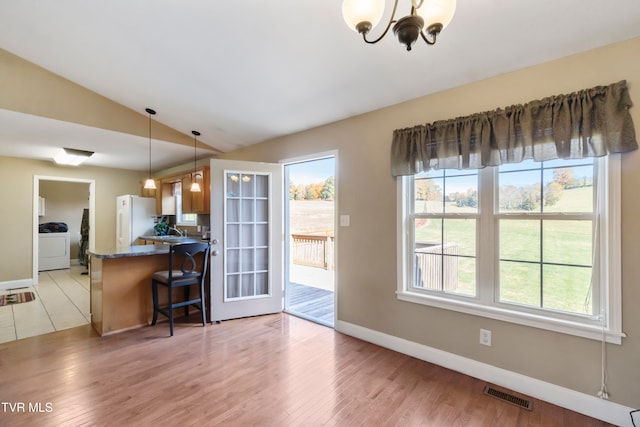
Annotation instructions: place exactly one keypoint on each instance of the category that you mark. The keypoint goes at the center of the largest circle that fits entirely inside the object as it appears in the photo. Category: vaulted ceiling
(245, 72)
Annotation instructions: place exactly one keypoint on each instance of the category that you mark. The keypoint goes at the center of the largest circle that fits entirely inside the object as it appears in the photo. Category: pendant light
(150, 184)
(195, 186)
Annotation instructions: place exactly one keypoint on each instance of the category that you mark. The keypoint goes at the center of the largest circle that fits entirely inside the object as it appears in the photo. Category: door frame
(36, 196)
(287, 231)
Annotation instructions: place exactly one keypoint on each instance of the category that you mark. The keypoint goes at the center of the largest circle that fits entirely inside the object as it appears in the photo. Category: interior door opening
(310, 249)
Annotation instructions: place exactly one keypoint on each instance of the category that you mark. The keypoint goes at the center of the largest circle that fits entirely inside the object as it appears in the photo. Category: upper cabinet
(155, 193)
(165, 193)
(196, 202)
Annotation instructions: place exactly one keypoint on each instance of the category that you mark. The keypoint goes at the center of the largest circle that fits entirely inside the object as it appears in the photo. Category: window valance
(590, 123)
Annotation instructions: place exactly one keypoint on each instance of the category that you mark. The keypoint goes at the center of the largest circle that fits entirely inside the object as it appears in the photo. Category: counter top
(131, 251)
(170, 239)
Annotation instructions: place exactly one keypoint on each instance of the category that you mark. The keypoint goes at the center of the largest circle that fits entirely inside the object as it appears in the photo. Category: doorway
(63, 230)
(310, 213)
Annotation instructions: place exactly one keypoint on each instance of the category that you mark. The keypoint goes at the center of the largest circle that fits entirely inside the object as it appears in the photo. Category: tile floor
(62, 302)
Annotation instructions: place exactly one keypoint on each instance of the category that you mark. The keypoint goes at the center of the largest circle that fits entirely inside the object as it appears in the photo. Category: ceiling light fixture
(150, 184)
(71, 156)
(427, 19)
(195, 186)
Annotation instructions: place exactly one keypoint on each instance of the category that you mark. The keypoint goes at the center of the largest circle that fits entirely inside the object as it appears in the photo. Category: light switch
(345, 220)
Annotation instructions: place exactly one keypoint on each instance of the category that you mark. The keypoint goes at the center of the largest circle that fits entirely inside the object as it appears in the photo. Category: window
(535, 243)
(182, 218)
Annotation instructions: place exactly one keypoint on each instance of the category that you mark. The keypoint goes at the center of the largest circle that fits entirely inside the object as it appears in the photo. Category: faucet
(175, 230)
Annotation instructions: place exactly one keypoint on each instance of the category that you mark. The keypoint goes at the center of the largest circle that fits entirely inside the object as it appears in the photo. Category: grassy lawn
(566, 287)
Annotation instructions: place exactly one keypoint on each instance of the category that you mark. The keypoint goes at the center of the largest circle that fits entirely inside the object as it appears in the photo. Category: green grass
(565, 242)
(573, 200)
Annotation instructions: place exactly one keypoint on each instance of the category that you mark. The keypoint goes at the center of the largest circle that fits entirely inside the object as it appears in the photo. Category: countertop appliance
(135, 217)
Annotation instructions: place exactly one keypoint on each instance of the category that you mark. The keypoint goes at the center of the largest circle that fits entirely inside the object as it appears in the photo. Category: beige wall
(65, 202)
(16, 209)
(367, 249)
(30, 89)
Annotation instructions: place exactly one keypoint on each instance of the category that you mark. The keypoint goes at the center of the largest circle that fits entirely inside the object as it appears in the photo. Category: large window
(535, 243)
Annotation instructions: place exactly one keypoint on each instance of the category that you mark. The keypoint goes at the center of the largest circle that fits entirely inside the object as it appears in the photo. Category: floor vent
(509, 398)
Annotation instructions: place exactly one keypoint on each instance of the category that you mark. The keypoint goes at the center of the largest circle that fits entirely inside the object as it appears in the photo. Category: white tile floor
(62, 302)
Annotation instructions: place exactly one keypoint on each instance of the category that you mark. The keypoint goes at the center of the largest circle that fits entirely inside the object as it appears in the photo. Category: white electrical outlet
(485, 337)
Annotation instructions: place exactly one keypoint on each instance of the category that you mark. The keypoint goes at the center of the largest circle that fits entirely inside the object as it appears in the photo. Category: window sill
(593, 332)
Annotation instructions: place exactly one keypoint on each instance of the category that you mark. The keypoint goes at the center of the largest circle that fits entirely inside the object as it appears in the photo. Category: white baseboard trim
(16, 284)
(582, 403)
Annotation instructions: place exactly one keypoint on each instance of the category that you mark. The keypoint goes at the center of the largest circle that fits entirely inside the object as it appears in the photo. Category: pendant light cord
(150, 112)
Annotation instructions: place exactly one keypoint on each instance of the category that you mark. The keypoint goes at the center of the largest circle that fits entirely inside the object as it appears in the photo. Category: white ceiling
(242, 72)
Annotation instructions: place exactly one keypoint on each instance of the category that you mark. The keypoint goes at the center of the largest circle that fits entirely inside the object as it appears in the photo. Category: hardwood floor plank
(275, 370)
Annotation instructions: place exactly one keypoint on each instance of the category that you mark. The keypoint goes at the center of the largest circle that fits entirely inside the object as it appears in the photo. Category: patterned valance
(590, 123)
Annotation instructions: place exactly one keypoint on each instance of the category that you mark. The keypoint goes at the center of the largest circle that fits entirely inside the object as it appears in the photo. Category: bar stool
(184, 276)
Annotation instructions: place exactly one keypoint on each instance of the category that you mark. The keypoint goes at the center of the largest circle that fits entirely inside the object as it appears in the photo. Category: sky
(311, 172)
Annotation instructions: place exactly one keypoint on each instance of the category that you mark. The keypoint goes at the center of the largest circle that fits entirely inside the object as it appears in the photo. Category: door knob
(214, 253)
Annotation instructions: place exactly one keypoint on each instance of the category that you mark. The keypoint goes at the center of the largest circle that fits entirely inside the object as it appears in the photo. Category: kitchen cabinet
(41, 204)
(197, 203)
(167, 198)
(155, 193)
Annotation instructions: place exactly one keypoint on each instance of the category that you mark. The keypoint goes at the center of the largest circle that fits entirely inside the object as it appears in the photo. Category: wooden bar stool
(188, 273)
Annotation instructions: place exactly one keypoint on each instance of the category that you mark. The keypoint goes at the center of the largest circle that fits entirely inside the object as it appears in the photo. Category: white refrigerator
(135, 217)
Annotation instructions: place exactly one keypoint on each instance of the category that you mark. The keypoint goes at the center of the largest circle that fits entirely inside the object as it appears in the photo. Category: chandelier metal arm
(386, 30)
(433, 31)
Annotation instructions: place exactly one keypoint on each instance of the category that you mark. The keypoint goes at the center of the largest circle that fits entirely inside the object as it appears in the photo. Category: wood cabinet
(197, 203)
(156, 193)
(167, 198)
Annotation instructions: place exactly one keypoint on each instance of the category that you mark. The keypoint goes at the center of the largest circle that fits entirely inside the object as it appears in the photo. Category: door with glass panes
(247, 239)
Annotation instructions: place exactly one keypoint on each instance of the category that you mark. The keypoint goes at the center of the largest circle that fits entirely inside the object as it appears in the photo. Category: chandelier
(427, 19)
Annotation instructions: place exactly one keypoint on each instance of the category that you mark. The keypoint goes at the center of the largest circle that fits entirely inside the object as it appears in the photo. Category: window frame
(180, 216)
(607, 323)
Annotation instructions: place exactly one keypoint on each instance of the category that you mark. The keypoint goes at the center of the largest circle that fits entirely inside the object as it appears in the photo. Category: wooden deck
(310, 303)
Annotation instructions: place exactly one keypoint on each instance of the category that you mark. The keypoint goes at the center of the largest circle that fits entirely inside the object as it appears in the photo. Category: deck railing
(313, 250)
(437, 266)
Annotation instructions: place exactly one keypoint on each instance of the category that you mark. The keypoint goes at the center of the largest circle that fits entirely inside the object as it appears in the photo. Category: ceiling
(242, 72)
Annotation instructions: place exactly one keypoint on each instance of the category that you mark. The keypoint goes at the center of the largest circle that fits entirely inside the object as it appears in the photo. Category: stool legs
(170, 310)
(154, 290)
(203, 306)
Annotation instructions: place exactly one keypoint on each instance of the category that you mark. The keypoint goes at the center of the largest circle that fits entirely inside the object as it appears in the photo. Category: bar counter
(120, 280)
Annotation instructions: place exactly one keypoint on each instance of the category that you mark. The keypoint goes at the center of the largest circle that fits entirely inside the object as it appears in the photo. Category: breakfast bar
(120, 281)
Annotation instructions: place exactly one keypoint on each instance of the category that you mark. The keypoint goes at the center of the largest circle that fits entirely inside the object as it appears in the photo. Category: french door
(247, 239)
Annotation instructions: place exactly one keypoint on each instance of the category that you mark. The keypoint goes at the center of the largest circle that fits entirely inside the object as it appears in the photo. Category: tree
(313, 191)
(553, 193)
(428, 190)
(467, 199)
(296, 192)
(328, 189)
(563, 176)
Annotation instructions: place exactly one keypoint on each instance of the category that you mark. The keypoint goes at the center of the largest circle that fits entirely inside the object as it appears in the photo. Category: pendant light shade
(195, 185)
(150, 184)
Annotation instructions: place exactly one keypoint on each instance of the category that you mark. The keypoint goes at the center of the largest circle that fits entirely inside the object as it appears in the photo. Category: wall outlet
(485, 337)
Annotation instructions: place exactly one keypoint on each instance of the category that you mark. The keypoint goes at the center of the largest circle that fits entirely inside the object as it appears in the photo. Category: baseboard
(11, 284)
(582, 403)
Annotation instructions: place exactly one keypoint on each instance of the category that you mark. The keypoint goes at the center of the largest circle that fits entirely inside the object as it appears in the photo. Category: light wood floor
(275, 370)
